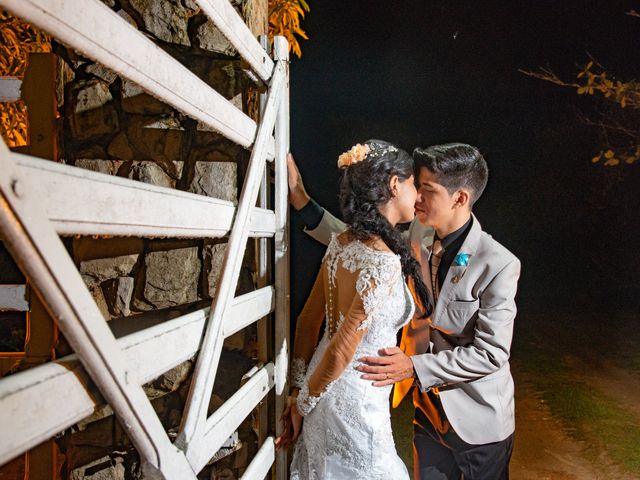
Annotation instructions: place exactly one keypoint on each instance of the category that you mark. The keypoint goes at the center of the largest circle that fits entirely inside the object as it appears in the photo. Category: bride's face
(405, 199)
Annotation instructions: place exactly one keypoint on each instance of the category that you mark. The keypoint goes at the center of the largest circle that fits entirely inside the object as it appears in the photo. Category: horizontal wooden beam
(157, 349)
(14, 298)
(80, 201)
(229, 416)
(233, 27)
(97, 32)
(40, 402)
(10, 89)
(248, 308)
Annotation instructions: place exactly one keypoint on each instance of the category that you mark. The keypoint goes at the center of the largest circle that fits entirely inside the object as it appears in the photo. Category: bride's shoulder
(357, 253)
(373, 244)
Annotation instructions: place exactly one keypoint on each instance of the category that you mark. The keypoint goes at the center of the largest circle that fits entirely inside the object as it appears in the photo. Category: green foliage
(592, 416)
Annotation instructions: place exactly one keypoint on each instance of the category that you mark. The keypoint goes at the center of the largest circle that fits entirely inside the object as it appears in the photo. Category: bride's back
(369, 270)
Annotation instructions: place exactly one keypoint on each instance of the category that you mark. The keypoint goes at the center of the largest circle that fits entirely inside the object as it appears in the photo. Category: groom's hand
(391, 367)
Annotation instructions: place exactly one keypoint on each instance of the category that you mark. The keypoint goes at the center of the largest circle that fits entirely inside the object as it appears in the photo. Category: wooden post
(38, 91)
(263, 264)
(281, 260)
(39, 95)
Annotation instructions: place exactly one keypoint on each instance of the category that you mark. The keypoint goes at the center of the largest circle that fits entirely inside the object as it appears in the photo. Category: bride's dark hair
(365, 186)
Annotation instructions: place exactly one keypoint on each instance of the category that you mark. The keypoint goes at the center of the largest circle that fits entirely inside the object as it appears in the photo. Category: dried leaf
(284, 20)
(612, 162)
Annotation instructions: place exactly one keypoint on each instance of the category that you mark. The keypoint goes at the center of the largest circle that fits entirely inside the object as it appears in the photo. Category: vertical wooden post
(39, 95)
(264, 278)
(281, 260)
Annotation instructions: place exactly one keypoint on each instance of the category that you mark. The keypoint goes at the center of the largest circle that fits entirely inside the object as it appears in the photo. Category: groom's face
(434, 205)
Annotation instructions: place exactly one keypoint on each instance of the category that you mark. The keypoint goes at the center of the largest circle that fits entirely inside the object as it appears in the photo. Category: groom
(456, 362)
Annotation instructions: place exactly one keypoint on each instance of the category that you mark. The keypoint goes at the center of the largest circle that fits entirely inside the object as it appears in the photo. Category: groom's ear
(462, 199)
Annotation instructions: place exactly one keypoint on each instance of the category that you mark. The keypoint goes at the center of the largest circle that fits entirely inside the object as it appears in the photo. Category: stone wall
(110, 125)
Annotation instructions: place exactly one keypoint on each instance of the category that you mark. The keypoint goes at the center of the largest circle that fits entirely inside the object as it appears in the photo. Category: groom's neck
(453, 224)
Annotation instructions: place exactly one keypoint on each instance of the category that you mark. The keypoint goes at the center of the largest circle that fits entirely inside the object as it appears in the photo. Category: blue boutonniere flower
(462, 259)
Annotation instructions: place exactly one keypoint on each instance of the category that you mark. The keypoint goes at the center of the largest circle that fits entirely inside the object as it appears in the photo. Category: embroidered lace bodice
(362, 299)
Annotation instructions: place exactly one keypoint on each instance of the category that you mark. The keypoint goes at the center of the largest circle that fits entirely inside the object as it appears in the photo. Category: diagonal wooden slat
(261, 463)
(58, 393)
(229, 416)
(79, 201)
(37, 249)
(233, 27)
(97, 32)
(207, 363)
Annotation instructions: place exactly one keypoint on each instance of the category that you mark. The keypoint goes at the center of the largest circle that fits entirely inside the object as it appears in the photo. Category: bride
(361, 293)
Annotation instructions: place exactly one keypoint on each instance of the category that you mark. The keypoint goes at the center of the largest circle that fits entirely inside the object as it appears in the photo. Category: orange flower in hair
(357, 153)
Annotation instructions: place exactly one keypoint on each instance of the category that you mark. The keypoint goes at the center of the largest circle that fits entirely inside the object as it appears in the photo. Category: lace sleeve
(372, 288)
(374, 285)
(307, 332)
(298, 372)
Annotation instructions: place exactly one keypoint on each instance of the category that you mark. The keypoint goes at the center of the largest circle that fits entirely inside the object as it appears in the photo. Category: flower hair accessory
(357, 153)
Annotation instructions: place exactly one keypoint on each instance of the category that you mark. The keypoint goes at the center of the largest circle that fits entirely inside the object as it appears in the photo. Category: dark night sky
(425, 72)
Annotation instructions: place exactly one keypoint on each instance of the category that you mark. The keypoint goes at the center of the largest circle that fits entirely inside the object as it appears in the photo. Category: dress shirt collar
(453, 236)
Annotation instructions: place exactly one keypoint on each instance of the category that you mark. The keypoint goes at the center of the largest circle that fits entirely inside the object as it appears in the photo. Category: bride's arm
(371, 292)
(307, 331)
(306, 337)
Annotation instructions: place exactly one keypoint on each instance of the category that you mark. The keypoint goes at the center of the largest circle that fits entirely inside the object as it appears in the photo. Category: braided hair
(365, 186)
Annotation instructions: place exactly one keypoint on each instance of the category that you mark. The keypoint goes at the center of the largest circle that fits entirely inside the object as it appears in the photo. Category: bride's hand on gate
(393, 366)
(291, 422)
(296, 422)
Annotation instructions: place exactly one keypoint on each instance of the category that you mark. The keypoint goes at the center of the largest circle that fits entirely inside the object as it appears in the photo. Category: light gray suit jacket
(465, 354)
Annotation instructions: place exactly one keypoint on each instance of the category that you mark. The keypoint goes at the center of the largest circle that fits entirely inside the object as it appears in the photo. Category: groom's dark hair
(455, 166)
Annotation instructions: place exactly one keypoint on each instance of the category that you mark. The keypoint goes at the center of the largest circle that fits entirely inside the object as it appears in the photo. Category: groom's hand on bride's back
(390, 367)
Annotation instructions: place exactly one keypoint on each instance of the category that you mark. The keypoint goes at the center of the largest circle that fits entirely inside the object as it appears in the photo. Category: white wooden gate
(41, 200)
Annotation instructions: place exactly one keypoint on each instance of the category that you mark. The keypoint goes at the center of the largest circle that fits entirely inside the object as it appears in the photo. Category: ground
(577, 386)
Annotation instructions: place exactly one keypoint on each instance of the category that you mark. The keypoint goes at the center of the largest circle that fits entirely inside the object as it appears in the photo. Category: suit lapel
(456, 273)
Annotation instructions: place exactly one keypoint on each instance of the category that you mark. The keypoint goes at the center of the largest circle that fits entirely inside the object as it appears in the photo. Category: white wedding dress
(346, 434)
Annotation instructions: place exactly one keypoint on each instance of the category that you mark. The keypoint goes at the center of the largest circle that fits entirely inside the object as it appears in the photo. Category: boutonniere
(461, 260)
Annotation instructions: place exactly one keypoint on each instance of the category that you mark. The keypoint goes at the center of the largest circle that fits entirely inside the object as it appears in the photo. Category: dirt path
(610, 380)
(543, 451)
